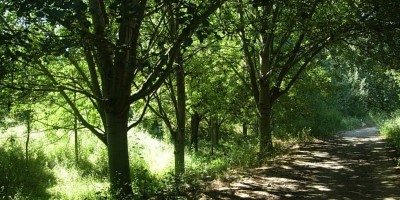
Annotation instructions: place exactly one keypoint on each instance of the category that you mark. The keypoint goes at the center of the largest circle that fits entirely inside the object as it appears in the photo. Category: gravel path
(355, 165)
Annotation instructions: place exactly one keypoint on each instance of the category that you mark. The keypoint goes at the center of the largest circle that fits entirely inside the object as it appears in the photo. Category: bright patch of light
(326, 165)
(320, 154)
(286, 167)
(321, 188)
(158, 154)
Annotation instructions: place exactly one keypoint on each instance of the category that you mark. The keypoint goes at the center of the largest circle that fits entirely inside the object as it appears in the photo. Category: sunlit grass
(72, 185)
(151, 159)
(56, 151)
(158, 155)
(13, 132)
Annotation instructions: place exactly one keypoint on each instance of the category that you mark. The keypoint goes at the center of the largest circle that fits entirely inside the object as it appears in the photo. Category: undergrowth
(22, 178)
(390, 129)
(54, 173)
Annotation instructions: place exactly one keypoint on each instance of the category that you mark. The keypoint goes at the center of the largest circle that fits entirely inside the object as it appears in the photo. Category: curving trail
(355, 165)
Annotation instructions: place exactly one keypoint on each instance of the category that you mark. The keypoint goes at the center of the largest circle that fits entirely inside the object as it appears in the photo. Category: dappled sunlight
(326, 164)
(353, 167)
(245, 194)
(320, 154)
(362, 140)
(361, 136)
(361, 133)
(276, 182)
(286, 167)
(221, 186)
(320, 188)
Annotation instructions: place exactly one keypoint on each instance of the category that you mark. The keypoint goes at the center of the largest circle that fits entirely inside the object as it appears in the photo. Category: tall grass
(21, 178)
(52, 173)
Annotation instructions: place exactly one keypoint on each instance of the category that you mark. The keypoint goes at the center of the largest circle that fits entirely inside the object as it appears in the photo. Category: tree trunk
(264, 98)
(214, 133)
(195, 123)
(76, 140)
(118, 156)
(211, 133)
(28, 127)
(265, 130)
(256, 127)
(181, 118)
(244, 128)
(76, 135)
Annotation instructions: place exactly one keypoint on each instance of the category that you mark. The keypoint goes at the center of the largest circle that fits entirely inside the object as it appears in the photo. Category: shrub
(390, 129)
(21, 178)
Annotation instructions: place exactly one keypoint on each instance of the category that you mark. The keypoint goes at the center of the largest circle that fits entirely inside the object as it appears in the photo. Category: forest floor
(353, 165)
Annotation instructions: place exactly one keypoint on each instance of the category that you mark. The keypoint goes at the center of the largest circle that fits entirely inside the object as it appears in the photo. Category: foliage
(151, 159)
(153, 127)
(366, 84)
(317, 102)
(21, 178)
(390, 129)
(319, 66)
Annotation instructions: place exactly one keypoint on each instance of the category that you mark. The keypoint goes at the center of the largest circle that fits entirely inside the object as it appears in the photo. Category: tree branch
(142, 115)
(249, 60)
(85, 123)
(148, 87)
(276, 93)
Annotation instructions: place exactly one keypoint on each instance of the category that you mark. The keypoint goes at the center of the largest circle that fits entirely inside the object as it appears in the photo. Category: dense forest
(134, 99)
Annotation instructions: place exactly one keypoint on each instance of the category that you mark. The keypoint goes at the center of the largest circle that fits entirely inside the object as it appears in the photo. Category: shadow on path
(355, 165)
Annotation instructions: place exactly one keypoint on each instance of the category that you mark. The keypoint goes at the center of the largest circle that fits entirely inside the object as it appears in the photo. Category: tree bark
(76, 135)
(244, 128)
(28, 127)
(265, 129)
(195, 124)
(256, 127)
(76, 140)
(181, 118)
(214, 133)
(118, 156)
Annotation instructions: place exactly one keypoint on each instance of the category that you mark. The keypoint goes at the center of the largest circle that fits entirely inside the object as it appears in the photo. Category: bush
(21, 178)
(144, 183)
(390, 129)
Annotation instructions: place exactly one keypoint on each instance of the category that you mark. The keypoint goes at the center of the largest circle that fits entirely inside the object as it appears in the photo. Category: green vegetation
(100, 98)
(53, 173)
(390, 129)
(23, 179)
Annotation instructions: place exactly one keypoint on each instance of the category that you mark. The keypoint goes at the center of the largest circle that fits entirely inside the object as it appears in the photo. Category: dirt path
(355, 165)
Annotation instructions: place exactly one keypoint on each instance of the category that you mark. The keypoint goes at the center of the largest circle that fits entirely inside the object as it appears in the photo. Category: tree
(113, 46)
(369, 84)
(176, 95)
(211, 86)
(280, 40)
